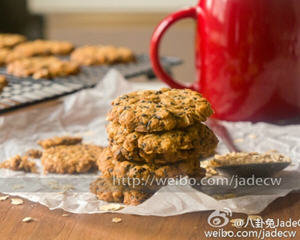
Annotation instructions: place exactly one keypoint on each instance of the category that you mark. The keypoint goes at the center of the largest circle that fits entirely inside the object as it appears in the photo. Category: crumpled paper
(83, 114)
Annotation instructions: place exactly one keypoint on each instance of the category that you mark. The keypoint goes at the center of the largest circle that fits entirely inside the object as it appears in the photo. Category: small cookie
(42, 67)
(99, 55)
(57, 141)
(106, 190)
(3, 82)
(34, 153)
(40, 48)
(8, 40)
(18, 163)
(163, 110)
(198, 138)
(4, 53)
(70, 159)
(111, 167)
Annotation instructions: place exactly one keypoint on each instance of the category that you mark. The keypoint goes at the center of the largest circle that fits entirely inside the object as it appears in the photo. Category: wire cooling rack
(25, 91)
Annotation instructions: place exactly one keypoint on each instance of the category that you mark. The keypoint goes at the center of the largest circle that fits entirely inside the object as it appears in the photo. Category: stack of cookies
(153, 135)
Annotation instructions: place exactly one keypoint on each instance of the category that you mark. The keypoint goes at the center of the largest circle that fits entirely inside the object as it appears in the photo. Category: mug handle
(155, 43)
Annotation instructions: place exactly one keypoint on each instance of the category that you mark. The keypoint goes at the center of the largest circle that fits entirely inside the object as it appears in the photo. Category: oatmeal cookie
(163, 110)
(121, 154)
(57, 141)
(4, 53)
(34, 153)
(18, 163)
(105, 190)
(3, 82)
(8, 40)
(70, 159)
(42, 67)
(111, 167)
(197, 136)
(240, 158)
(99, 55)
(40, 48)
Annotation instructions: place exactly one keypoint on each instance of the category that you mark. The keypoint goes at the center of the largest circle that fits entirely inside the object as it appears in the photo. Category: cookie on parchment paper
(70, 159)
(162, 110)
(105, 189)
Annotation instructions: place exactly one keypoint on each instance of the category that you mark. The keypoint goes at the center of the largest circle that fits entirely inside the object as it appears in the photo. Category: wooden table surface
(54, 225)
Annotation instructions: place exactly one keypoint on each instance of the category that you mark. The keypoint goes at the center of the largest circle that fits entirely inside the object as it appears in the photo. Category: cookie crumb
(116, 220)
(27, 219)
(17, 186)
(111, 207)
(252, 136)
(16, 201)
(238, 140)
(34, 153)
(18, 163)
(3, 198)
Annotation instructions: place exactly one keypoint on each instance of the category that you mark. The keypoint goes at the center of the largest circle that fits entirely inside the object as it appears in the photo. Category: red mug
(247, 57)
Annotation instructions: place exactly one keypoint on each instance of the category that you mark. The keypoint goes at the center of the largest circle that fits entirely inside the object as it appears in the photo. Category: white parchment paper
(83, 113)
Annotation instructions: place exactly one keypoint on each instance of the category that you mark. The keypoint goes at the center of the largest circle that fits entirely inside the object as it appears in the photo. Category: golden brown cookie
(40, 48)
(106, 190)
(4, 53)
(70, 159)
(121, 154)
(8, 40)
(3, 82)
(99, 55)
(163, 110)
(34, 153)
(42, 67)
(57, 141)
(111, 167)
(195, 139)
(18, 163)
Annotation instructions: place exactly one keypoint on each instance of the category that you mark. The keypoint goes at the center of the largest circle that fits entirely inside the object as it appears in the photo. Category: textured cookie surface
(98, 55)
(56, 141)
(106, 190)
(8, 40)
(70, 159)
(111, 167)
(18, 163)
(42, 67)
(3, 82)
(4, 53)
(163, 110)
(197, 138)
(40, 48)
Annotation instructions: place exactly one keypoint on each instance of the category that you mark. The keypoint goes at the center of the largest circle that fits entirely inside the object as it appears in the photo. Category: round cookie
(4, 53)
(105, 190)
(198, 138)
(163, 110)
(111, 167)
(40, 48)
(70, 159)
(121, 154)
(42, 67)
(99, 55)
(8, 40)
(3, 82)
